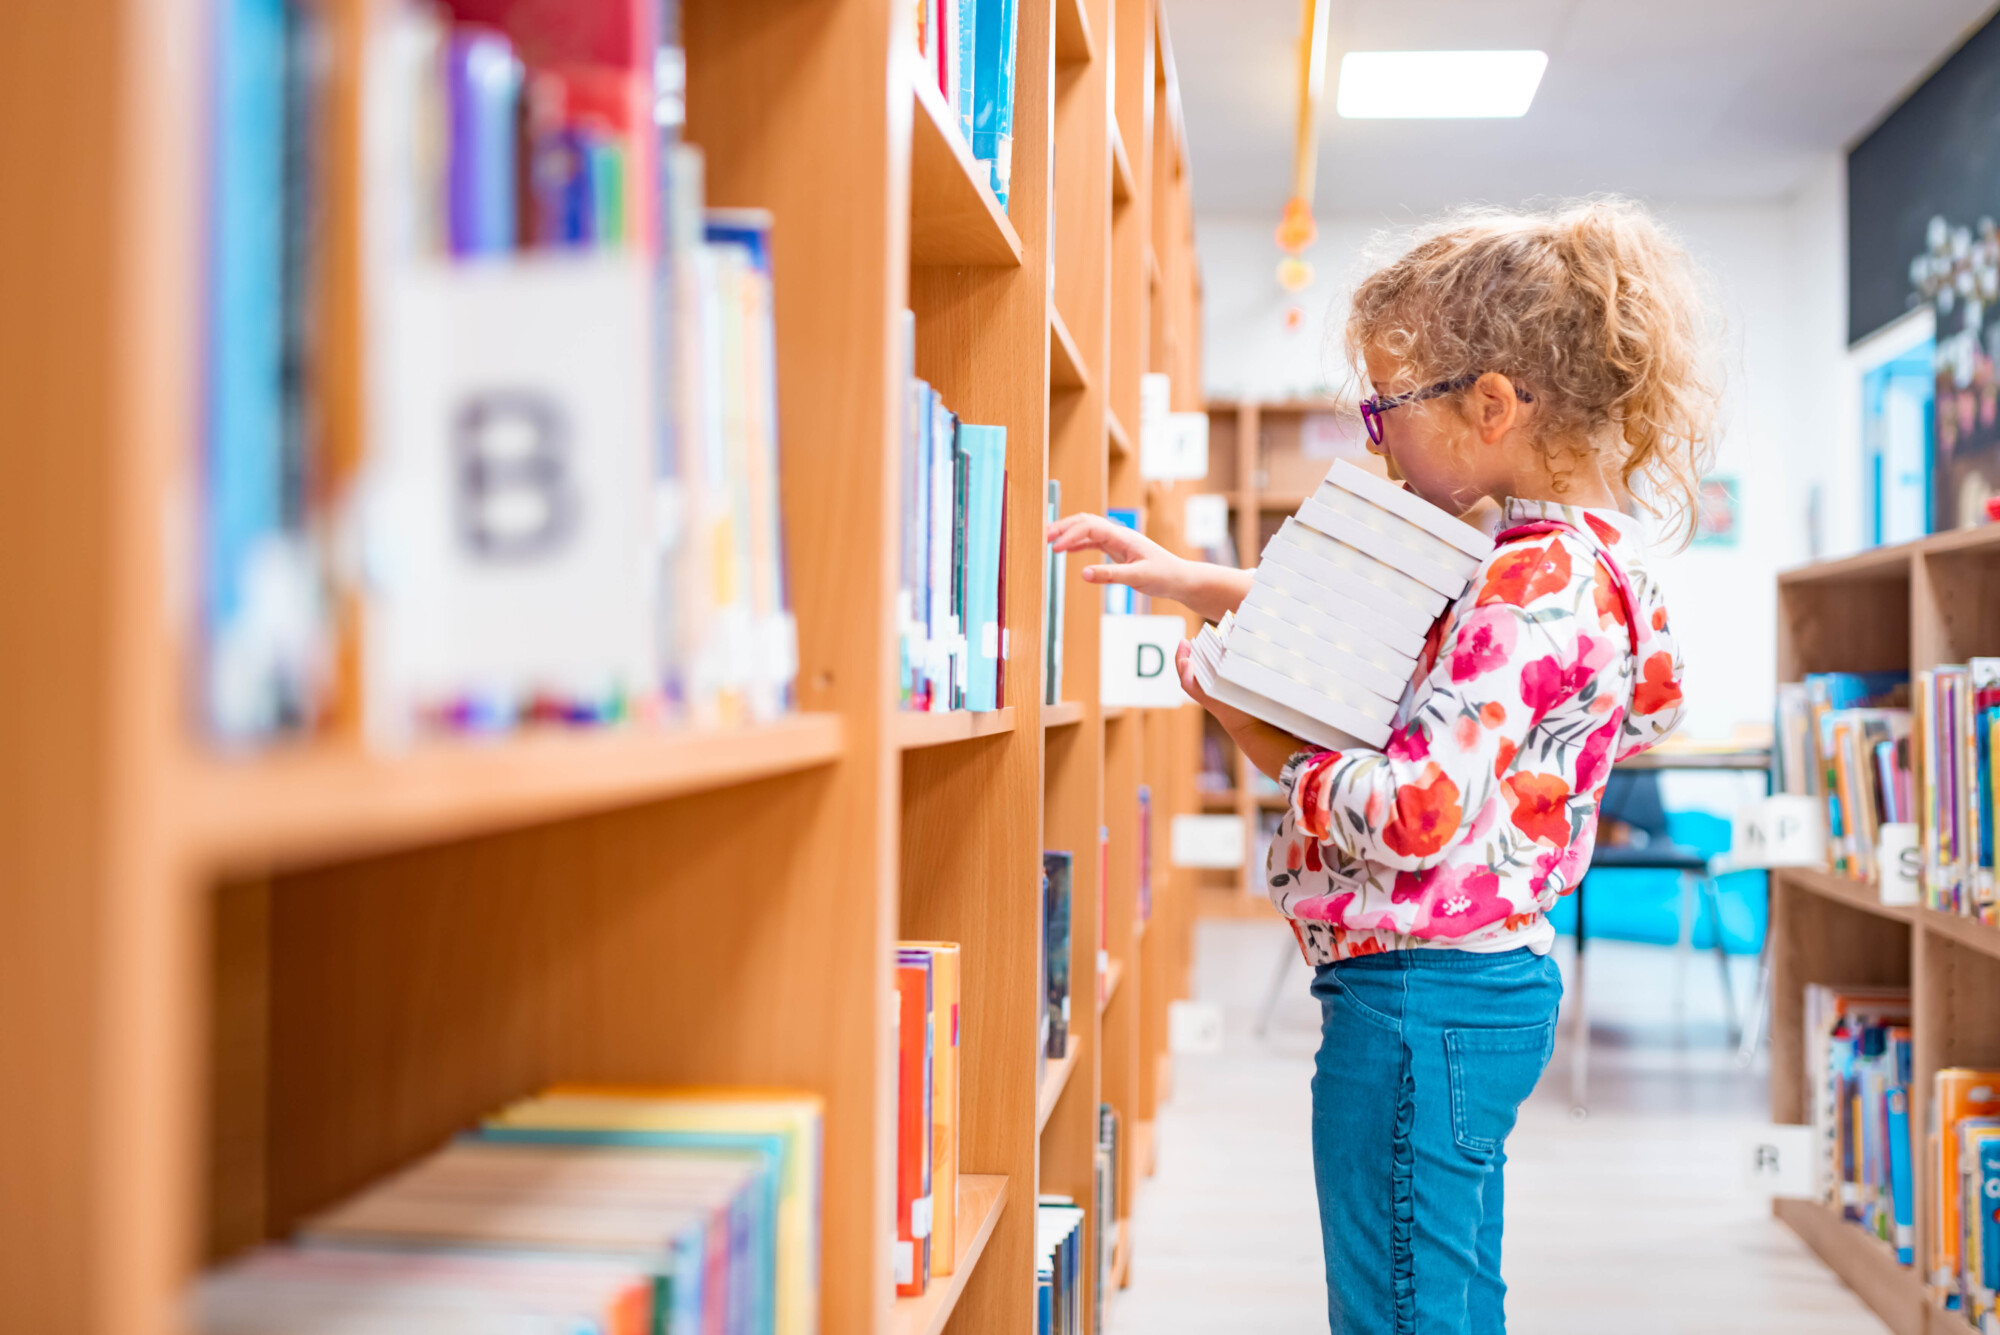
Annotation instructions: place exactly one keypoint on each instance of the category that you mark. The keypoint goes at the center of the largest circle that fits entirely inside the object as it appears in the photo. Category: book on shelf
(1058, 874)
(1328, 637)
(1058, 1266)
(267, 621)
(1055, 573)
(1964, 1111)
(914, 1071)
(1123, 599)
(590, 1208)
(951, 598)
(561, 507)
(967, 48)
(1105, 1203)
(1145, 801)
(1850, 740)
(1857, 1049)
(944, 1110)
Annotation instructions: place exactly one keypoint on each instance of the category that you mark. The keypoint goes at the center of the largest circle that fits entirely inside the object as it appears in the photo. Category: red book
(913, 1123)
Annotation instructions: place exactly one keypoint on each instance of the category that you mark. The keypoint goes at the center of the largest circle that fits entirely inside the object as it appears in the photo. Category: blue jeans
(1425, 1057)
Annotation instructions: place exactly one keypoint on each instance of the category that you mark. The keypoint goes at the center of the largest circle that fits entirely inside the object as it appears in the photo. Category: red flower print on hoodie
(1479, 808)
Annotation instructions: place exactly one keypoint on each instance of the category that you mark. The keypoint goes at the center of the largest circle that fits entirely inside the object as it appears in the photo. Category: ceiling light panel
(1438, 85)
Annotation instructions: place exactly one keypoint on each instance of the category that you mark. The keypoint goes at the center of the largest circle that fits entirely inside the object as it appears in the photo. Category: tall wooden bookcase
(1916, 605)
(234, 989)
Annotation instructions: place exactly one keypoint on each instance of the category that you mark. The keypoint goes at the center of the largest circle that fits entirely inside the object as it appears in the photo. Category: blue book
(250, 690)
(1119, 599)
(483, 81)
(1988, 1183)
(968, 43)
(753, 1241)
(1900, 1187)
(986, 455)
(993, 92)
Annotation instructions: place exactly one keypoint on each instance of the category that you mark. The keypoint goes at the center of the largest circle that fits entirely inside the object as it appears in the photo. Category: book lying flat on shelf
(1326, 640)
(670, 1121)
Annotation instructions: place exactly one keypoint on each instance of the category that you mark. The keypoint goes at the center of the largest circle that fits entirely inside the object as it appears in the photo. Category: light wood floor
(1634, 1220)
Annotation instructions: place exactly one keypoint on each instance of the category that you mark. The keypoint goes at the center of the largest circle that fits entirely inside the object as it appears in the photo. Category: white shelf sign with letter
(1137, 664)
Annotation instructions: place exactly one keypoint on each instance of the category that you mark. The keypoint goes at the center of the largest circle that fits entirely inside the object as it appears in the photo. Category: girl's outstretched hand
(1142, 564)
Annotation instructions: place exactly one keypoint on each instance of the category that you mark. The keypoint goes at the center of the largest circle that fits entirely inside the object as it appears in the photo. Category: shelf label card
(1209, 841)
(1899, 860)
(1777, 1160)
(1205, 520)
(1137, 664)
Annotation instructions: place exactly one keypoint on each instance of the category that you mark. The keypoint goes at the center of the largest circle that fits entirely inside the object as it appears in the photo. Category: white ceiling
(1671, 100)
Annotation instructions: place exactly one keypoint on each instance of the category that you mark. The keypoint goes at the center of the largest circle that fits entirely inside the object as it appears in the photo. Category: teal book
(993, 92)
(968, 43)
(986, 457)
(1902, 1206)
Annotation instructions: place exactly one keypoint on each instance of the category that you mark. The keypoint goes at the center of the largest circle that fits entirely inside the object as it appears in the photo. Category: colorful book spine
(913, 1123)
(985, 449)
(993, 92)
(483, 86)
(945, 1083)
(1057, 878)
(1055, 572)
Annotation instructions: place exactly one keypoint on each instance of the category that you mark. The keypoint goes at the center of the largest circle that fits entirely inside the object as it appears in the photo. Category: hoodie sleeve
(1522, 675)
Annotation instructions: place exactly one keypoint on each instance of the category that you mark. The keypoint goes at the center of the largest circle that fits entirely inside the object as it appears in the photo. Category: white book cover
(1334, 616)
(1277, 687)
(1414, 552)
(1343, 578)
(1410, 506)
(1336, 552)
(1207, 658)
(1246, 647)
(1325, 660)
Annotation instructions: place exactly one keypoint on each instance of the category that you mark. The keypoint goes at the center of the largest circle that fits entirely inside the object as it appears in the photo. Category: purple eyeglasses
(1373, 407)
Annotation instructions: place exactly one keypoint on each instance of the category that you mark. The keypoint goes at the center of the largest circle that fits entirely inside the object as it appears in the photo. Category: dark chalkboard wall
(1938, 153)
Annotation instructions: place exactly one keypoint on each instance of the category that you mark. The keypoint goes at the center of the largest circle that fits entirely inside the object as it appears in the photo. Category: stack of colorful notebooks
(967, 48)
(951, 602)
(927, 1084)
(1347, 589)
(1858, 1073)
(585, 1211)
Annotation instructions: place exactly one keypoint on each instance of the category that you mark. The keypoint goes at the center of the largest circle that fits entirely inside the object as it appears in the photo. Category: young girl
(1553, 363)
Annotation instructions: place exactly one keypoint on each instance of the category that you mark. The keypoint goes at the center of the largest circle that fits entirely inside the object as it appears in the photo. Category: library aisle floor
(1634, 1220)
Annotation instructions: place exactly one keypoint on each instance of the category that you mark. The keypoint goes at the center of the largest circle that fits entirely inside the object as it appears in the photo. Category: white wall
(1780, 284)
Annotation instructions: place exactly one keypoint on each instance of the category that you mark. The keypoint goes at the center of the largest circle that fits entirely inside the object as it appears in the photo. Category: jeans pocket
(1492, 1072)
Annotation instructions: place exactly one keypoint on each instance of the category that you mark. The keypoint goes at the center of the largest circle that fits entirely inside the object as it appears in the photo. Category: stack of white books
(1344, 595)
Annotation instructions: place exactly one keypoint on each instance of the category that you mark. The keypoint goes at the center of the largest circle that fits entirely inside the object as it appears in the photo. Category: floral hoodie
(1482, 808)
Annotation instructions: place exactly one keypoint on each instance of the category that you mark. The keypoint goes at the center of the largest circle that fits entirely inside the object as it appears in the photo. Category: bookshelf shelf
(954, 218)
(1856, 894)
(981, 1198)
(1121, 443)
(1074, 45)
(1123, 185)
(1112, 977)
(1067, 367)
(1055, 1078)
(1062, 715)
(312, 805)
(913, 730)
(1864, 1263)
(1113, 713)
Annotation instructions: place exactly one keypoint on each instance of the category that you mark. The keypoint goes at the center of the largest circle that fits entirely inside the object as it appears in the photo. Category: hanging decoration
(1296, 229)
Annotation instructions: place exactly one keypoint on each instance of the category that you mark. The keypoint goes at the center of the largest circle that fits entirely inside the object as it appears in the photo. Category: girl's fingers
(1112, 574)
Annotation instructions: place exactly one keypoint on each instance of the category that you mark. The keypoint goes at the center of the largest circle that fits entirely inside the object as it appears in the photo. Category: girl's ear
(1495, 410)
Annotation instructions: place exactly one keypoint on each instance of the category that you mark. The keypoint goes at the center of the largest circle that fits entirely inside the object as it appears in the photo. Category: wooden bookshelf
(980, 1201)
(310, 966)
(1915, 606)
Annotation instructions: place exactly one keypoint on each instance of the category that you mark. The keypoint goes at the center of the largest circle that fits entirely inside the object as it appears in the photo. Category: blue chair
(1632, 799)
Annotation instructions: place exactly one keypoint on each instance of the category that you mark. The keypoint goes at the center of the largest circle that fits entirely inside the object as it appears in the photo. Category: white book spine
(1431, 562)
(1410, 617)
(1357, 562)
(1333, 616)
(1407, 505)
(1282, 689)
(1333, 660)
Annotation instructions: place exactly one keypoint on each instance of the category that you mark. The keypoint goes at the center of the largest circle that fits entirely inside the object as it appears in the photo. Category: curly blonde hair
(1591, 307)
